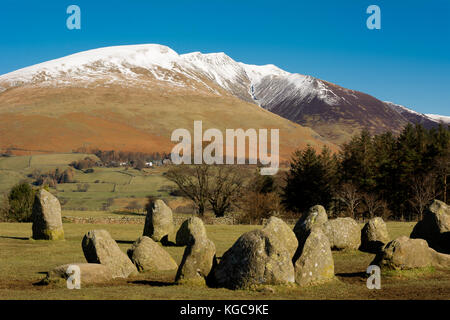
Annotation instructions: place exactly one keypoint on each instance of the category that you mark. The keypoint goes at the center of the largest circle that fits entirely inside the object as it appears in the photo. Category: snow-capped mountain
(413, 116)
(333, 111)
(132, 98)
(133, 65)
(438, 118)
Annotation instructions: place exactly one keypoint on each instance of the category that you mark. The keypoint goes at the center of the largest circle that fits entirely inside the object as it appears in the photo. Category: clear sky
(407, 61)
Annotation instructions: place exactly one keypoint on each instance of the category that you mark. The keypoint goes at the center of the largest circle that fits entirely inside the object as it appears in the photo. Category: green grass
(104, 183)
(23, 262)
(56, 160)
(15, 163)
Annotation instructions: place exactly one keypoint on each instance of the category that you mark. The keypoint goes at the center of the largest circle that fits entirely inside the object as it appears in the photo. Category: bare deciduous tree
(193, 182)
(372, 203)
(423, 191)
(219, 186)
(350, 196)
(443, 171)
(225, 188)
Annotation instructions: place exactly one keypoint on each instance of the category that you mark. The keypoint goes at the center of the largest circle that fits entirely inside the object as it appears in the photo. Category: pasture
(111, 188)
(23, 263)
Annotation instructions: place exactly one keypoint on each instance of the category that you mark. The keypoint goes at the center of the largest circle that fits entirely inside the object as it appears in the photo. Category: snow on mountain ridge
(402, 108)
(130, 66)
(438, 118)
(257, 73)
(428, 120)
(217, 67)
(140, 55)
(98, 63)
(265, 85)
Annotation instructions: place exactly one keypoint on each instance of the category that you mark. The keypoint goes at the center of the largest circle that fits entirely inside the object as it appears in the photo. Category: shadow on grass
(16, 238)
(167, 243)
(128, 213)
(43, 281)
(352, 275)
(125, 241)
(164, 241)
(153, 283)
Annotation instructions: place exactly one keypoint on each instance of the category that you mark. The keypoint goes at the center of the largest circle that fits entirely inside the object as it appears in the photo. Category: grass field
(116, 186)
(23, 263)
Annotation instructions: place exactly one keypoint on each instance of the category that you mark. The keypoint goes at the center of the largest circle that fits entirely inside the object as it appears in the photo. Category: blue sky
(407, 61)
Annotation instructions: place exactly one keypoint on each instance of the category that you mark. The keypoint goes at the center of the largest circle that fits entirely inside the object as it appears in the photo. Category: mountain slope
(413, 116)
(131, 98)
(438, 118)
(155, 83)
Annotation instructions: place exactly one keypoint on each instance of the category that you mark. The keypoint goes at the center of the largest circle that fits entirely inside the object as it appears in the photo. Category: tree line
(382, 175)
(393, 176)
(111, 157)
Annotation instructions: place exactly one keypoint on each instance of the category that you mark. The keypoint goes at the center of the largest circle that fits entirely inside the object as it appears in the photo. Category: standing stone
(316, 216)
(435, 226)
(256, 258)
(405, 253)
(159, 221)
(191, 229)
(46, 216)
(343, 233)
(147, 255)
(199, 258)
(374, 235)
(315, 264)
(99, 247)
(278, 228)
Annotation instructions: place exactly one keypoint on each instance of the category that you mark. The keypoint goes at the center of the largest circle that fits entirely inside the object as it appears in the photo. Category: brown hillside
(129, 119)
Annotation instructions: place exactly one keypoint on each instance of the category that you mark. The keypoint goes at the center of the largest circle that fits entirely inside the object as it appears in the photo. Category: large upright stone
(435, 226)
(191, 229)
(257, 257)
(405, 253)
(159, 221)
(315, 263)
(147, 255)
(198, 260)
(100, 247)
(374, 235)
(343, 233)
(46, 216)
(316, 216)
(279, 229)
